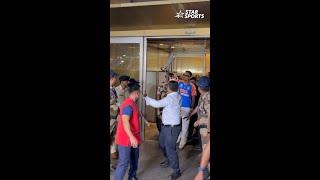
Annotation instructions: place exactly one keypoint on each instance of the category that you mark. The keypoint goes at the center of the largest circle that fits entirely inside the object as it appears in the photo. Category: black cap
(113, 74)
(124, 78)
(193, 78)
(133, 81)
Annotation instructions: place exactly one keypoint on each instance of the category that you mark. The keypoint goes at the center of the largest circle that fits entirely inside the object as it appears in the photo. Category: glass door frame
(144, 73)
(135, 40)
(142, 41)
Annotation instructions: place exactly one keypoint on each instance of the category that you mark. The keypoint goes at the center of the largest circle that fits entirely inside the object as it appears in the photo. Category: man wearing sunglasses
(188, 93)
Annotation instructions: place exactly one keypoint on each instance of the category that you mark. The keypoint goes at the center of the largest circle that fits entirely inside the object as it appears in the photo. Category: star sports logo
(193, 14)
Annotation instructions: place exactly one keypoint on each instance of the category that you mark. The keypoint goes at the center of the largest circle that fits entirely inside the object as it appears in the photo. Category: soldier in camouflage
(203, 111)
(122, 89)
(114, 110)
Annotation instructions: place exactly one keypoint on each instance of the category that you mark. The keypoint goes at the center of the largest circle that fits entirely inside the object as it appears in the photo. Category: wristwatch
(201, 169)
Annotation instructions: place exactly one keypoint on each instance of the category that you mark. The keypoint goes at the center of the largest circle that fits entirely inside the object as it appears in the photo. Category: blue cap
(204, 82)
(113, 74)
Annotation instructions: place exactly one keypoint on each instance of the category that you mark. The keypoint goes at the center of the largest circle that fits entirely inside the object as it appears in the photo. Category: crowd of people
(183, 109)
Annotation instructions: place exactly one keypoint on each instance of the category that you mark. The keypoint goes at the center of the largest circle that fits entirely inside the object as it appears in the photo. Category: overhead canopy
(158, 17)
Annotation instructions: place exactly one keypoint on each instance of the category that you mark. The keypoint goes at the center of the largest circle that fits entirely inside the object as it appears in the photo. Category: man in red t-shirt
(128, 134)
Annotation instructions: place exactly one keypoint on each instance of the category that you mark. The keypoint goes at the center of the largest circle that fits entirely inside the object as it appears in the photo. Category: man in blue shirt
(171, 127)
(187, 92)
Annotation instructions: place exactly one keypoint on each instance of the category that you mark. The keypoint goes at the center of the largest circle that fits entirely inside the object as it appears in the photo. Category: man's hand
(199, 176)
(196, 124)
(134, 142)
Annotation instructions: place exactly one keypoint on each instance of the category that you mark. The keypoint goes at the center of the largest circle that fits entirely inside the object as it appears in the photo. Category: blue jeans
(127, 155)
(167, 139)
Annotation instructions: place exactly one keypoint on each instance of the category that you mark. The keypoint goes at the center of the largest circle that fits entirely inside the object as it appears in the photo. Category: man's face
(113, 81)
(185, 77)
(137, 95)
(200, 90)
(125, 83)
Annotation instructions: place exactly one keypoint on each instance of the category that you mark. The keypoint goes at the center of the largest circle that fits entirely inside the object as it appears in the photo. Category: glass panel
(125, 59)
(191, 54)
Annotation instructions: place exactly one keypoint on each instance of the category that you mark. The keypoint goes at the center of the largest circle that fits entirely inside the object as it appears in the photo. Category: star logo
(179, 14)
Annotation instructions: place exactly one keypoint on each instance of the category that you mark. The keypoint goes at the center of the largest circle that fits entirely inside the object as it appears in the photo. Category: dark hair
(189, 72)
(133, 87)
(171, 74)
(173, 86)
(124, 78)
(193, 78)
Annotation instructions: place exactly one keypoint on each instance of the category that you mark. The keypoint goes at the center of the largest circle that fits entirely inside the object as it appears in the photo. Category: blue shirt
(171, 110)
(185, 92)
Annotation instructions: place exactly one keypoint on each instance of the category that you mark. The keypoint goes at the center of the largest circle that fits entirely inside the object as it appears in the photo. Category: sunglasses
(186, 75)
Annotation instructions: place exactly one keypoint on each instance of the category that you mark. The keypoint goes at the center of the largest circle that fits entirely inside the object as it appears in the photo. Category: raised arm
(157, 103)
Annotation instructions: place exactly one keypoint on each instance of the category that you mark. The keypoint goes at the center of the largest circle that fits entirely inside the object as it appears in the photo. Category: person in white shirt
(171, 127)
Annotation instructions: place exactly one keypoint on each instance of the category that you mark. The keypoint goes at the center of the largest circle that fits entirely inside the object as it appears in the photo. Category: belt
(203, 126)
(167, 125)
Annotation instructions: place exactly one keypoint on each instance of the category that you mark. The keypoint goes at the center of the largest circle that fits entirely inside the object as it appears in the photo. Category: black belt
(203, 126)
(170, 125)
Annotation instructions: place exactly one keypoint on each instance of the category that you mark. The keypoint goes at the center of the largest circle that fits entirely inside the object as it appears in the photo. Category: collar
(172, 93)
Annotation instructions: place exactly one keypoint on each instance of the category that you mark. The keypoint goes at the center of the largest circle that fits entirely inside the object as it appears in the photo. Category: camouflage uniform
(203, 112)
(204, 118)
(122, 94)
(114, 110)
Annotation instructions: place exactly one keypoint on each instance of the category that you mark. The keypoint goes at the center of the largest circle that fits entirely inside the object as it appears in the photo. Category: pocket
(175, 131)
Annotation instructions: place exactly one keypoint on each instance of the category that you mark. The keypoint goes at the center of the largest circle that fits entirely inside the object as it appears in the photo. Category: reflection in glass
(124, 59)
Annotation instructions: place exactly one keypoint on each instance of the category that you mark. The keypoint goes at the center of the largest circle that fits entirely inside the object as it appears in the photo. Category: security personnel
(171, 127)
(203, 108)
(122, 89)
(114, 109)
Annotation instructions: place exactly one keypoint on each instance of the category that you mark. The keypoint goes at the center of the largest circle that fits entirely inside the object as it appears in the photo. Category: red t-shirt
(121, 136)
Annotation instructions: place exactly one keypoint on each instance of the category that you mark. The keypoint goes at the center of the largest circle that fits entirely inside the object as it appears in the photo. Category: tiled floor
(151, 156)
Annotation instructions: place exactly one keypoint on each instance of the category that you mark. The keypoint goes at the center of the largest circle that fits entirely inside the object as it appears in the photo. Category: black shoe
(174, 175)
(164, 164)
(112, 168)
(133, 178)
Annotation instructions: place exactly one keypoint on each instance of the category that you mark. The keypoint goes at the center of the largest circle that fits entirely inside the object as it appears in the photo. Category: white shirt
(171, 110)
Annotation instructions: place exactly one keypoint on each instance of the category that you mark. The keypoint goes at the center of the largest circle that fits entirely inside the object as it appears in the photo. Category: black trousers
(159, 123)
(193, 119)
(167, 139)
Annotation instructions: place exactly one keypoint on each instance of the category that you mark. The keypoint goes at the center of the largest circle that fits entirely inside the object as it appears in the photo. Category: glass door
(126, 58)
